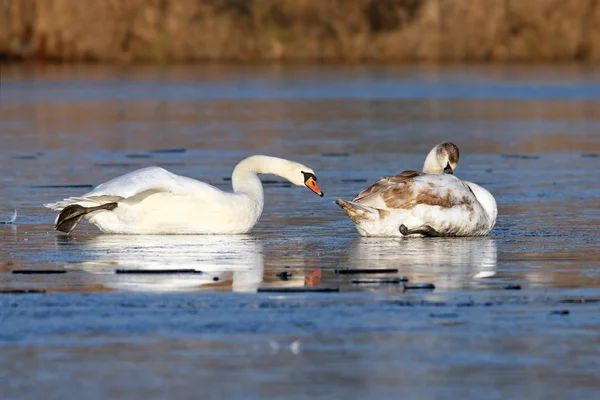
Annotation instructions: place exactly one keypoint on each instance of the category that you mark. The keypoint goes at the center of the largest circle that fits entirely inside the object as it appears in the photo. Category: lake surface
(530, 135)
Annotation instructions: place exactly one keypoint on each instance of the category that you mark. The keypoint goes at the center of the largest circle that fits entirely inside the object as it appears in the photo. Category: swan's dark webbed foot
(424, 230)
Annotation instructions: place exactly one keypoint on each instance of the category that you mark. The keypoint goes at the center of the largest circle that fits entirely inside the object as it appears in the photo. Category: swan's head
(442, 159)
(309, 179)
(298, 174)
(301, 175)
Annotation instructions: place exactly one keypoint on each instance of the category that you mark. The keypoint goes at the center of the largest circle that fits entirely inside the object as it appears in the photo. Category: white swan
(155, 201)
(424, 203)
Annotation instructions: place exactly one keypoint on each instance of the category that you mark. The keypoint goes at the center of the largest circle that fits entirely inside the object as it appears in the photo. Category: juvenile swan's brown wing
(444, 191)
(385, 182)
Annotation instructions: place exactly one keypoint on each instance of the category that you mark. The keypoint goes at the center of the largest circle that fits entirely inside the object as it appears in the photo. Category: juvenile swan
(155, 201)
(428, 203)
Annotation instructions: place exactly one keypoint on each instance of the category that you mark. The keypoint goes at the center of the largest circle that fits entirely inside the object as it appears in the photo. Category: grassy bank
(300, 30)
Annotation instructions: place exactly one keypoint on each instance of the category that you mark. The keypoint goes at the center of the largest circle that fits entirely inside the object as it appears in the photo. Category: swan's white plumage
(155, 201)
(149, 179)
(154, 179)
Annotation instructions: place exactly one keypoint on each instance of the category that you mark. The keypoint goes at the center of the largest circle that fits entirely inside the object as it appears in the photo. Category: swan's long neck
(432, 165)
(245, 180)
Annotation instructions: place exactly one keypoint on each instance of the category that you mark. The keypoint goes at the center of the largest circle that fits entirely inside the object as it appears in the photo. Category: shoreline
(300, 32)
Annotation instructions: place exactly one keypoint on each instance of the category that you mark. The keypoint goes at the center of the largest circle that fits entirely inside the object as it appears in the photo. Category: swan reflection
(226, 261)
(447, 262)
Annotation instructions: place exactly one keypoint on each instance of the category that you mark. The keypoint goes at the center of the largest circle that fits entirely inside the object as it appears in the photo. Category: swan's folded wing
(153, 179)
(384, 183)
(444, 191)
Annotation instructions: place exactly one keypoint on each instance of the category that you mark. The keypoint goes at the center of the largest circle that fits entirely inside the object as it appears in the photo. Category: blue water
(529, 134)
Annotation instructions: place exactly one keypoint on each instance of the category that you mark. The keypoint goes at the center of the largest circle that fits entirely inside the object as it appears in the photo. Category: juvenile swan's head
(442, 159)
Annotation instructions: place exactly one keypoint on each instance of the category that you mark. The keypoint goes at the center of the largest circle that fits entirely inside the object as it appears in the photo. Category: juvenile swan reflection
(446, 262)
(235, 261)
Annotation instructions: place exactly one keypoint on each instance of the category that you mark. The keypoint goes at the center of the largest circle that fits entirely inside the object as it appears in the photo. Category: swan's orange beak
(312, 185)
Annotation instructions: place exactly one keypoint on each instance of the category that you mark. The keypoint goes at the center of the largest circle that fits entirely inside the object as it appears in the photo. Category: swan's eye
(308, 175)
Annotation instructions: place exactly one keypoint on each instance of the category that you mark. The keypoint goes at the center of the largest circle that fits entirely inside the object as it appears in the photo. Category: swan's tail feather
(358, 213)
(82, 201)
(72, 214)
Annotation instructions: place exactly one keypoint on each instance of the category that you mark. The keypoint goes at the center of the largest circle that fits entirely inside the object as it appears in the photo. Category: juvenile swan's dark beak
(311, 182)
(448, 169)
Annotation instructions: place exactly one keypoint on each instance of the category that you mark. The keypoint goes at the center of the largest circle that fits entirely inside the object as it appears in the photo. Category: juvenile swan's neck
(432, 165)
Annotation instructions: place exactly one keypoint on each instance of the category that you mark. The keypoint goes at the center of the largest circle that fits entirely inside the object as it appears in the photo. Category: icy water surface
(513, 315)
